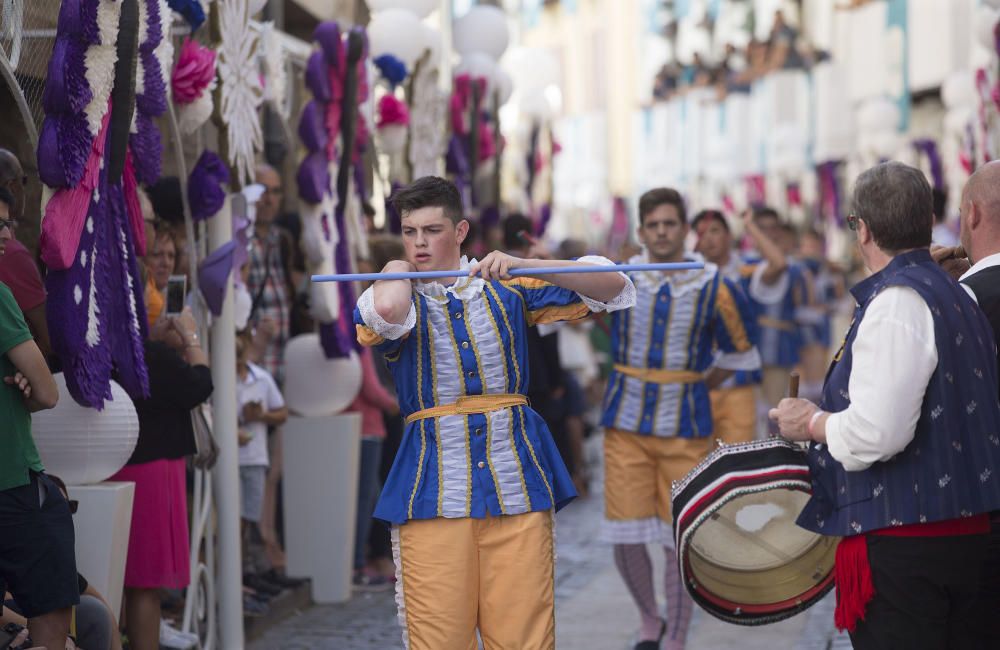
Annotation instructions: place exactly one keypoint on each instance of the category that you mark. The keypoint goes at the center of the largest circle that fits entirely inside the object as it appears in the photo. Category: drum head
(742, 556)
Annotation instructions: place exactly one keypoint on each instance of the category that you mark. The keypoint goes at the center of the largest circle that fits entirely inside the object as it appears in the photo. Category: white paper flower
(240, 91)
(275, 70)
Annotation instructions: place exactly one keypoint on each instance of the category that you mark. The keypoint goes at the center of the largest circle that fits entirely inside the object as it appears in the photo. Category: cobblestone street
(593, 609)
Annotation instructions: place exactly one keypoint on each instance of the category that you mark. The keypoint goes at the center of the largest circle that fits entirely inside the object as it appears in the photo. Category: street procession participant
(657, 415)
(763, 281)
(905, 444)
(780, 332)
(472, 493)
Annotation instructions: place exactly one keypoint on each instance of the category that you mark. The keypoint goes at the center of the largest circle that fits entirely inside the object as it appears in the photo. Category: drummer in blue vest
(905, 444)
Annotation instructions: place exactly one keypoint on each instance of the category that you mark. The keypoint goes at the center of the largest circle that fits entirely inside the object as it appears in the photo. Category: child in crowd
(260, 405)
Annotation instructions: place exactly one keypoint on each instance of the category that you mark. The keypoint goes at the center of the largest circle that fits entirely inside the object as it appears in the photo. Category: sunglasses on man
(852, 221)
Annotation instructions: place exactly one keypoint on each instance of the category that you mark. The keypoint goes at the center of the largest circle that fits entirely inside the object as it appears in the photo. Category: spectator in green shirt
(37, 561)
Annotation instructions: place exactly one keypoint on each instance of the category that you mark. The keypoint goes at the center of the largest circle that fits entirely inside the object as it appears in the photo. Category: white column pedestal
(320, 478)
(103, 522)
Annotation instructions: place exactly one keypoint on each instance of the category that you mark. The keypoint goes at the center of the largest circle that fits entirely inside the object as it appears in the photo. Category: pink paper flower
(392, 111)
(194, 72)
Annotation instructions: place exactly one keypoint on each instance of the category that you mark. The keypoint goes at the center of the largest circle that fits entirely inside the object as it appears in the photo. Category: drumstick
(793, 384)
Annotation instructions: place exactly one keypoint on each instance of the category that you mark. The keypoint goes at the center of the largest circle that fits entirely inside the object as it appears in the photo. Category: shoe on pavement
(280, 579)
(366, 581)
(171, 637)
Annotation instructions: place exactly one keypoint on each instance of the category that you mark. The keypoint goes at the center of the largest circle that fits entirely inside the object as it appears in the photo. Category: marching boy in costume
(657, 414)
(477, 478)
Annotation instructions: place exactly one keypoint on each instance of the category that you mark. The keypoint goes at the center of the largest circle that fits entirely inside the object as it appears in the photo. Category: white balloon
(392, 32)
(885, 144)
(83, 446)
(986, 20)
(420, 8)
(478, 65)
(315, 385)
(504, 85)
(956, 120)
(877, 115)
(959, 90)
(531, 68)
(534, 104)
(482, 29)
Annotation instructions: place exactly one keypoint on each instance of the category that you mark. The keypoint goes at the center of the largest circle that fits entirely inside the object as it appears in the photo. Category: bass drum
(741, 555)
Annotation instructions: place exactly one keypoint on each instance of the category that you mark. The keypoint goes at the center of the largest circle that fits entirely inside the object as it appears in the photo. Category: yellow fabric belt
(470, 405)
(775, 324)
(661, 376)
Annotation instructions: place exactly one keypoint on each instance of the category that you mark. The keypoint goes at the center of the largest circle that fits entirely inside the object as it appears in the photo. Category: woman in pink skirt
(158, 549)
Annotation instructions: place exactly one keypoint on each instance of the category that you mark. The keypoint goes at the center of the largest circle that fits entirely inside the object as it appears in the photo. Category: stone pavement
(593, 608)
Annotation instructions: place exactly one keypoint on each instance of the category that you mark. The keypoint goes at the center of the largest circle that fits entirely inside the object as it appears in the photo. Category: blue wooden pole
(553, 270)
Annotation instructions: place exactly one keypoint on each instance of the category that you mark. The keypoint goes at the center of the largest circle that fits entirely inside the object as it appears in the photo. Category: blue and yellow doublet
(665, 344)
(469, 340)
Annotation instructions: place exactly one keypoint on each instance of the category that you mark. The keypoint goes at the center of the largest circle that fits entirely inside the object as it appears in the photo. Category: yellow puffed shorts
(734, 414)
(638, 471)
(495, 574)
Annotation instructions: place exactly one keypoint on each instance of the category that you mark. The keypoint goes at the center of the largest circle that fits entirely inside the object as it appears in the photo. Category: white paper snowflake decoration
(240, 93)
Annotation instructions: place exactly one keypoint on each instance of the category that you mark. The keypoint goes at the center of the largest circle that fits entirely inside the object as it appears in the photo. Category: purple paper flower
(206, 186)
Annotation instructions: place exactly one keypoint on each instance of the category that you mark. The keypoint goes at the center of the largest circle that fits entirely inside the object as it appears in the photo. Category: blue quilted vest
(951, 468)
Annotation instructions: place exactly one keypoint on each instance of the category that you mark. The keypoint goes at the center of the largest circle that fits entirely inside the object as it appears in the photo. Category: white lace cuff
(749, 360)
(379, 325)
(623, 300)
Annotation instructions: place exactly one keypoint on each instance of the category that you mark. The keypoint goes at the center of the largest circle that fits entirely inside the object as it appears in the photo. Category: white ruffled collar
(680, 282)
(462, 288)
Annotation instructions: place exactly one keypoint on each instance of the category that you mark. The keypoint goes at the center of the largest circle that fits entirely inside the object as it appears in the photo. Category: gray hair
(896, 203)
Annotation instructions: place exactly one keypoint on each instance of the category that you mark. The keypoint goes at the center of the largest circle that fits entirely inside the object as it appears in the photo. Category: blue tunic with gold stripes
(469, 339)
(679, 322)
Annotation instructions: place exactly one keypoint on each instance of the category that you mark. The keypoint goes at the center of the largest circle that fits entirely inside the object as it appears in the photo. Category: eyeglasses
(8, 223)
(852, 221)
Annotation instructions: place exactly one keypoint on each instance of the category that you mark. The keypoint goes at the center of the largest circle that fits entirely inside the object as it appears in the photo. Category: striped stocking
(679, 604)
(636, 570)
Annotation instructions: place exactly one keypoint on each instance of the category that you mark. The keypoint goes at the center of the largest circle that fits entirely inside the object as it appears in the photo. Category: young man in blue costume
(657, 414)
(477, 478)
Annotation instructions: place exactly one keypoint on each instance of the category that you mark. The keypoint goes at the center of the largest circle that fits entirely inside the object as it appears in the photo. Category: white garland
(240, 92)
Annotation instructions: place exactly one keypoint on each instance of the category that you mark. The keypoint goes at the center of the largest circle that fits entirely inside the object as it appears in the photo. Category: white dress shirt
(894, 355)
(985, 263)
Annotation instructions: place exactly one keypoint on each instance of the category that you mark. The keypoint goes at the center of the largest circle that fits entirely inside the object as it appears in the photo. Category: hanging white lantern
(478, 66)
(482, 29)
(315, 385)
(81, 445)
(392, 32)
(419, 8)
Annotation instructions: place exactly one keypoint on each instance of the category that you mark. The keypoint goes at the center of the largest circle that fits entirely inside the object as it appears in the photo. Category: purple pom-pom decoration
(327, 34)
(313, 178)
(318, 78)
(146, 149)
(206, 186)
(312, 130)
(153, 99)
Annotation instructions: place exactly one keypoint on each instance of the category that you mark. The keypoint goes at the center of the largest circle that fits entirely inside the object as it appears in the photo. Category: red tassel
(853, 577)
